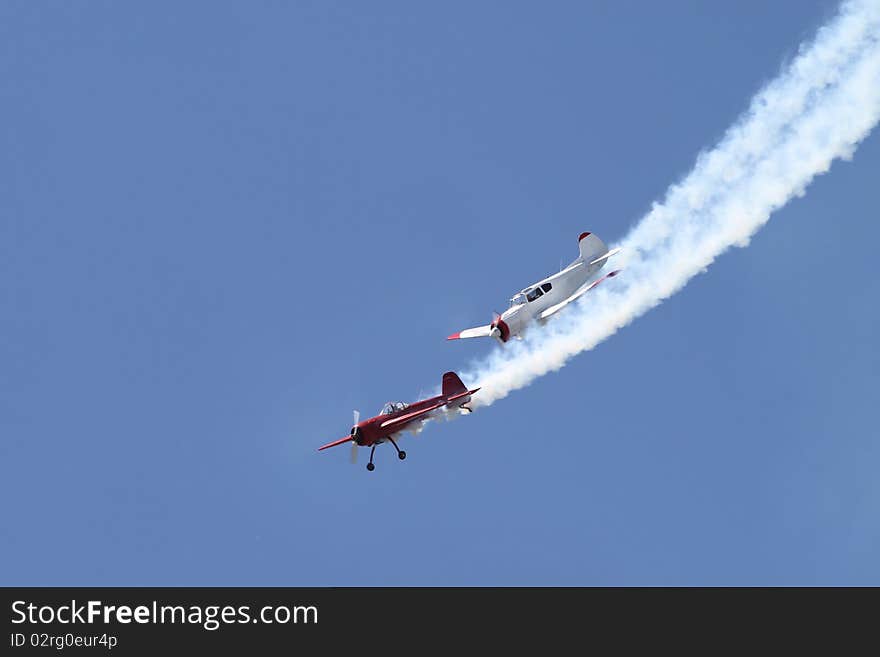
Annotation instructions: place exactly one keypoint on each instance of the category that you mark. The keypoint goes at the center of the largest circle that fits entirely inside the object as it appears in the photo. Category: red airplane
(395, 416)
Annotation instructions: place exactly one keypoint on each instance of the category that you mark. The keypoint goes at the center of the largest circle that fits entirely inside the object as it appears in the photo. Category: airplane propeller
(354, 445)
(495, 331)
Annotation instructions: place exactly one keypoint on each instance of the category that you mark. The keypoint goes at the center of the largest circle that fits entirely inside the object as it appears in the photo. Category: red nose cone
(503, 327)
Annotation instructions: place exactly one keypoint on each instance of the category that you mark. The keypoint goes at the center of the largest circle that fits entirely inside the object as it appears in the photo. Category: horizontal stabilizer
(606, 256)
(466, 393)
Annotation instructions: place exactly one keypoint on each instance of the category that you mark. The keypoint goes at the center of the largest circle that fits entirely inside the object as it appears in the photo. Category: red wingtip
(582, 236)
(454, 336)
(614, 273)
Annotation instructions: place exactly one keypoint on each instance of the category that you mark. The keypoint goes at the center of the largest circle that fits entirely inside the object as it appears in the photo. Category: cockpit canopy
(518, 300)
(532, 293)
(393, 407)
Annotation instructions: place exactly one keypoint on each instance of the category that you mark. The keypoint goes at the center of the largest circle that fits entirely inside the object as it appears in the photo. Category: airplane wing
(478, 332)
(335, 443)
(581, 291)
(409, 417)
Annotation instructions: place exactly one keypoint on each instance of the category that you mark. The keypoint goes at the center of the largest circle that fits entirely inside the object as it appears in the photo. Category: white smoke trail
(821, 106)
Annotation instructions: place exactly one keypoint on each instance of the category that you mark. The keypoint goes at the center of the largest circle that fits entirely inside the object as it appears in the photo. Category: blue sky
(224, 226)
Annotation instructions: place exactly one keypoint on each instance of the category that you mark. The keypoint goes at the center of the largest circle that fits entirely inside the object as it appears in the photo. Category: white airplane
(545, 298)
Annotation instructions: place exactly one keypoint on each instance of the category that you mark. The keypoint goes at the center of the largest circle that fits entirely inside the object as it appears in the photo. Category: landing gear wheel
(401, 455)
(370, 467)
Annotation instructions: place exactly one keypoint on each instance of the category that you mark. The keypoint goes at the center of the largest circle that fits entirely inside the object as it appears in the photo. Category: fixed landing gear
(400, 453)
(467, 408)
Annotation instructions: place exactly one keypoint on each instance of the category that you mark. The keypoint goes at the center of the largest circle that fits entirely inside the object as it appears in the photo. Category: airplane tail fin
(591, 247)
(452, 385)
